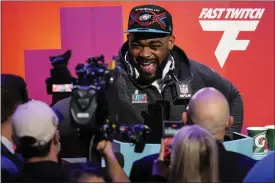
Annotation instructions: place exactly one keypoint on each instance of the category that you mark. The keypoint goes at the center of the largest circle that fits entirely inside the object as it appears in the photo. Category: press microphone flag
(183, 89)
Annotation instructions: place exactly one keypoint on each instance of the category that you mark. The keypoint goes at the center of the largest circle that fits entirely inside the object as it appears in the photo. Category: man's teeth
(146, 63)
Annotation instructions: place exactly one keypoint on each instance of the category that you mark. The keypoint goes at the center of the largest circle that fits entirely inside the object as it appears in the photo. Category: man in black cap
(153, 68)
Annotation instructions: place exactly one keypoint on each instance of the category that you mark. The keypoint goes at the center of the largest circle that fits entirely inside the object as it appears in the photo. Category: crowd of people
(30, 143)
(151, 65)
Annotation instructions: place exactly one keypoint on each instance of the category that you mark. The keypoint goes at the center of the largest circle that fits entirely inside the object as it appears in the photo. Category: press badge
(139, 97)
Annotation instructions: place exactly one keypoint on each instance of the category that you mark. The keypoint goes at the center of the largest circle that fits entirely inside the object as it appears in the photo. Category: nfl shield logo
(184, 88)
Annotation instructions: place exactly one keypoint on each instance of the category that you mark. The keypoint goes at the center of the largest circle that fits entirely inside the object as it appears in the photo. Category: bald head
(209, 108)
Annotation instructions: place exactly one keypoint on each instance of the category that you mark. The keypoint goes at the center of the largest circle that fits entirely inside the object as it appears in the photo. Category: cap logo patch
(147, 17)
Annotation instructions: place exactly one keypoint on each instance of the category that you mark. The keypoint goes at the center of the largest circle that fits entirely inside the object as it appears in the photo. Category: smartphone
(62, 88)
(171, 128)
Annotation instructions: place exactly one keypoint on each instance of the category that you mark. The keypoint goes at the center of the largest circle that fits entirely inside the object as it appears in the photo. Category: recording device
(182, 92)
(156, 114)
(89, 107)
(62, 88)
(136, 134)
(60, 83)
(162, 110)
(61, 80)
(89, 104)
(170, 128)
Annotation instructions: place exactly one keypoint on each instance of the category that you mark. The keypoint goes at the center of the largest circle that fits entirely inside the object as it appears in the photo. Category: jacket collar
(7, 144)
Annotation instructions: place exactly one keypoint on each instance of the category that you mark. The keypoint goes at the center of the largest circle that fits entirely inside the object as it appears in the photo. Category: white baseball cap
(34, 119)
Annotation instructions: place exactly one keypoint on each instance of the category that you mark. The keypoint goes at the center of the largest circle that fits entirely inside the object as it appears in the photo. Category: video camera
(61, 80)
(89, 106)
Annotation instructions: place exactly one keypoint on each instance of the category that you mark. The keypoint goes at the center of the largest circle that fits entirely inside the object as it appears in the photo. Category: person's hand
(162, 150)
(105, 148)
(159, 167)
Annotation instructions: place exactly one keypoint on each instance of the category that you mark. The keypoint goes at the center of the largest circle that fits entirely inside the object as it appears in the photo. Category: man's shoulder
(62, 102)
(263, 171)
(142, 169)
(240, 159)
(62, 105)
(9, 171)
(146, 161)
(195, 66)
(8, 165)
(199, 68)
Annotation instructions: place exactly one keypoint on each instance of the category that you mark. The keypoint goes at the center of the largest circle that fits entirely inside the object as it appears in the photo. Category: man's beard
(148, 78)
(145, 78)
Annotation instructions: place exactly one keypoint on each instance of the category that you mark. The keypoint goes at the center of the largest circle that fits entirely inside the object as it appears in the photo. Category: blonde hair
(194, 156)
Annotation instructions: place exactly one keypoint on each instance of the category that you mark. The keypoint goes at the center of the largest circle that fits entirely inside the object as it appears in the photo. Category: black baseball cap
(150, 18)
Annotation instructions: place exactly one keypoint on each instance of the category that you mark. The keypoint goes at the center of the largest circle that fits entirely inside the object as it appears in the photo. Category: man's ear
(171, 42)
(184, 117)
(56, 137)
(230, 122)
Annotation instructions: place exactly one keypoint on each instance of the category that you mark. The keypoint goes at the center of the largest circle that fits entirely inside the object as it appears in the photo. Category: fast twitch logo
(231, 21)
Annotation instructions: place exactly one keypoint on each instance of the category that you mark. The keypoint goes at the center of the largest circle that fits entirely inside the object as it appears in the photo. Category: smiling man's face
(148, 52)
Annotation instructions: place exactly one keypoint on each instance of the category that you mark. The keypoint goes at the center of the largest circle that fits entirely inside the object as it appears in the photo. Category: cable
(90, 148)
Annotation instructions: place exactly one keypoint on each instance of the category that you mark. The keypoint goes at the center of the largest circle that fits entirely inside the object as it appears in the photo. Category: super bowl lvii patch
(139, 98)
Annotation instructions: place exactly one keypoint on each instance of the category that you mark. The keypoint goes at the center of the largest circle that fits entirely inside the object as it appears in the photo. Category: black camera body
(89, 104)
(61, 80)
(83, 106)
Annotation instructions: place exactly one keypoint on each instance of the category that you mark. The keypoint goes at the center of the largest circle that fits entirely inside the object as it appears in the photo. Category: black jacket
(200, 76)
(233, 167)
(11, 165)
(43, 172)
